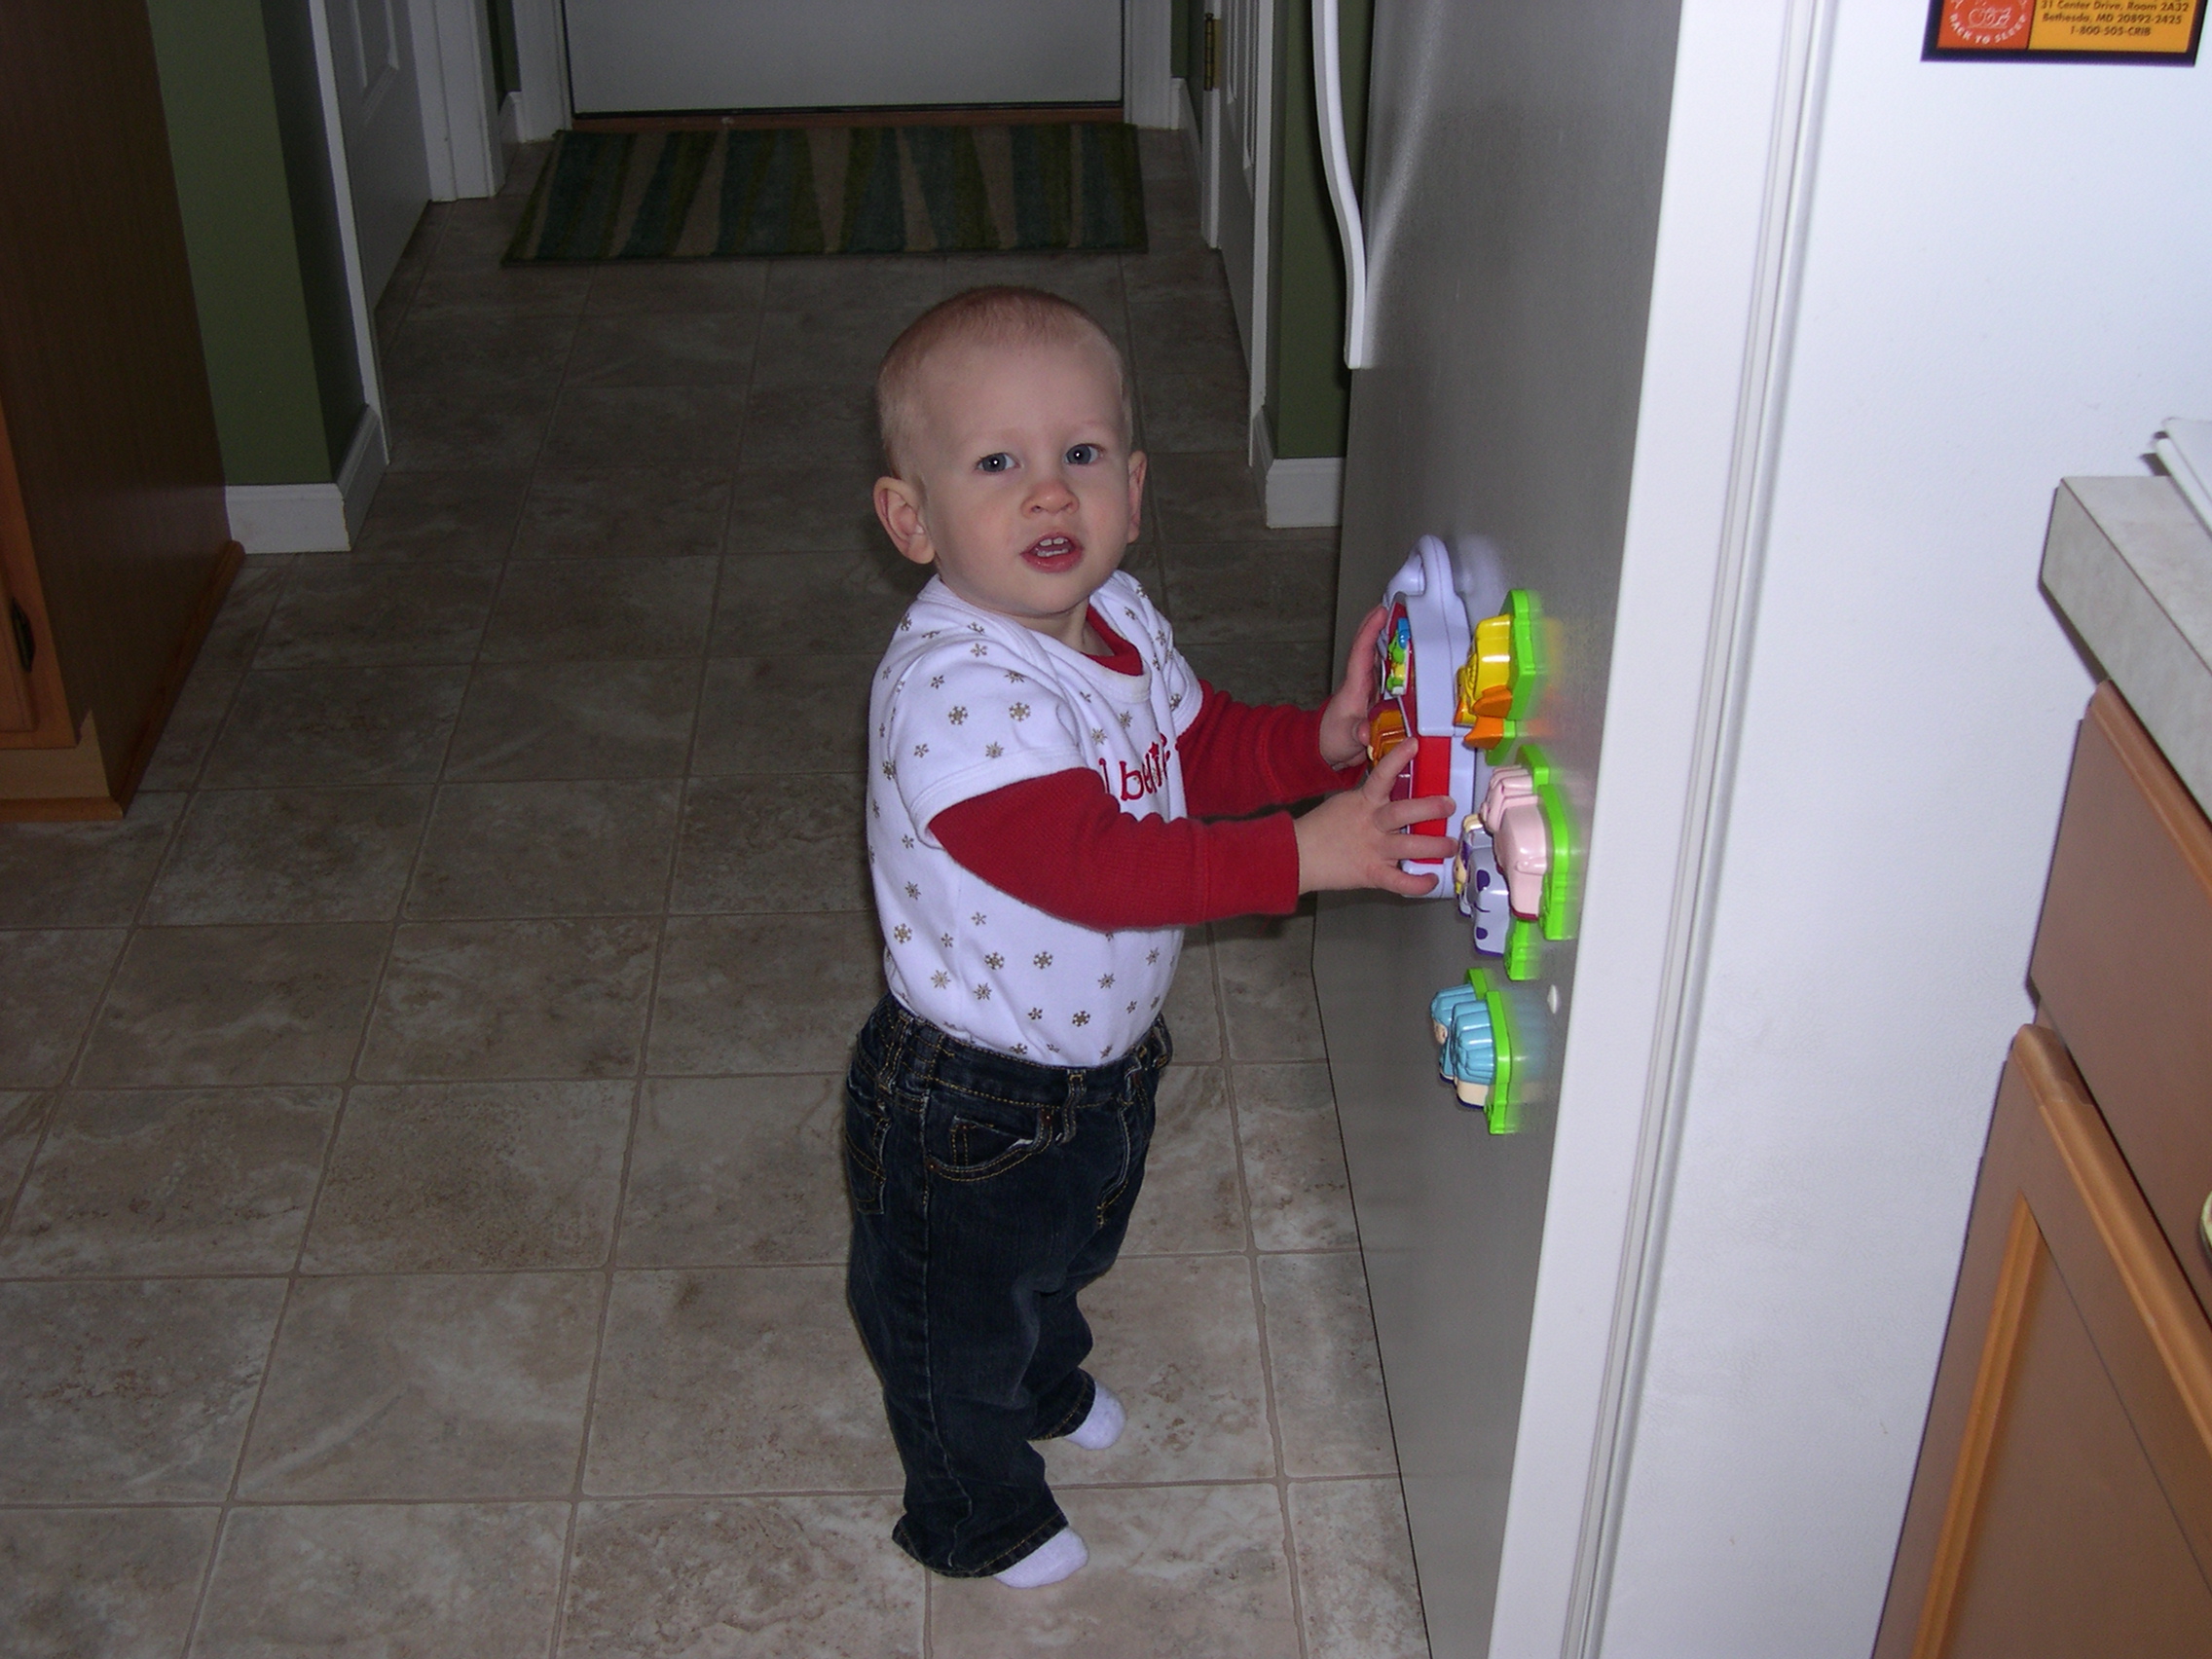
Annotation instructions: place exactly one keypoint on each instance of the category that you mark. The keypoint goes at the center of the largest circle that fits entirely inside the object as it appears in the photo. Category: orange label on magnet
(1985, 25)
(2145, 31)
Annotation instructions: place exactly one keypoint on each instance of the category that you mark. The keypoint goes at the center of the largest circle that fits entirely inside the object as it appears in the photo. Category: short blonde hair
(979, 316)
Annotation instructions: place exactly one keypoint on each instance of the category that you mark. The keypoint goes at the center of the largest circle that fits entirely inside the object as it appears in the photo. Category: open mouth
(1053, 553)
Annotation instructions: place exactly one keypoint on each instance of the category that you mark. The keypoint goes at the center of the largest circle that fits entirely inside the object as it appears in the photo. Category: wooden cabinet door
(2062, 1508)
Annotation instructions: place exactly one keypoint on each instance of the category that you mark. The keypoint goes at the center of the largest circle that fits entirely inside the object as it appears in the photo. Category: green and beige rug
(834, 190)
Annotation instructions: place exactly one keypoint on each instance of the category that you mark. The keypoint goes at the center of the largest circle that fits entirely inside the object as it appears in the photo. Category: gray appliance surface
(1512, 195)
(628, 56)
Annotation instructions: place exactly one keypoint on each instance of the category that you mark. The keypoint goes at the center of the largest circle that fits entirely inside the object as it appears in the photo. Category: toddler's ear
(899, 507)
(1137, 464)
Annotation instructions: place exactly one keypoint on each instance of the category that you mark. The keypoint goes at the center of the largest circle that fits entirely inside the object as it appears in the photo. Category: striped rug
(834, 190)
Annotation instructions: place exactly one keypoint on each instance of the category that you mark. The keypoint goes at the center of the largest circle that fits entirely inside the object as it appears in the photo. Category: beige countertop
(2131, 566)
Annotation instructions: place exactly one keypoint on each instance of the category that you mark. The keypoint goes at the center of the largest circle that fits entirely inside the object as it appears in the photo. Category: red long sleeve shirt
(1062, 844)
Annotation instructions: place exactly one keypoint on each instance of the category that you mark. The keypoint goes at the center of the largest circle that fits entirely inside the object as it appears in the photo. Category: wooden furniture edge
(227, 565)
(2176, 811)
(20, 581)
(59, 809)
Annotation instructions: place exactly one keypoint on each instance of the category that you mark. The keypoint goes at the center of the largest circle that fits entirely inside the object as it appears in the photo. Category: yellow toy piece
(1496, 687)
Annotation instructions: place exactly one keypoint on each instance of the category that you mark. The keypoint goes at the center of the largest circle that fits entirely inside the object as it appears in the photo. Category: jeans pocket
(866, 1128)
(970, 1138)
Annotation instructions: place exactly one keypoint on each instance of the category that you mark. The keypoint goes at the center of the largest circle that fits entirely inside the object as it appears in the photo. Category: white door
(632, 56)
(380, 111)
(1237, 159)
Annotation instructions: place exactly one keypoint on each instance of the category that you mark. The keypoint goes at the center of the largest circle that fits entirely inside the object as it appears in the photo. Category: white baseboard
(510, 118)
(1298, 494)
(311, 518)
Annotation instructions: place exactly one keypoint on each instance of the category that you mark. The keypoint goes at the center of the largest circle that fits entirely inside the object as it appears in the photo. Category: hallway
(420, 1225)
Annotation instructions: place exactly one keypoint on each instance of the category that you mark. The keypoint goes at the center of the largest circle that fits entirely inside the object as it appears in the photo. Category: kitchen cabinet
(2063, 1499)
(115, 549)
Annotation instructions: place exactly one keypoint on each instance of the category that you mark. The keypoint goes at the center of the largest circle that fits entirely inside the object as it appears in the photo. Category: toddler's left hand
(1344, 721)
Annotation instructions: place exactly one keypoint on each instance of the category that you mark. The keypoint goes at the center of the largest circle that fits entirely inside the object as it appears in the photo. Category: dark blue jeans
(986, 1192)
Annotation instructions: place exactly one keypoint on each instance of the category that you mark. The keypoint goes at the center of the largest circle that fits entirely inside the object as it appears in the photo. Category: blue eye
(1082, 455)
(998, 463)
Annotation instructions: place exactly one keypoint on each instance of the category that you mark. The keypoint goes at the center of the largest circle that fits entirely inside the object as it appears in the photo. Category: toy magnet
(1423, 640)
(1497, 689)
(1477, 1051)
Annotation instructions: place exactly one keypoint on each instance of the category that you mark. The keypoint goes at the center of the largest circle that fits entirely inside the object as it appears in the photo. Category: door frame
(460, 98)
(1222, 205)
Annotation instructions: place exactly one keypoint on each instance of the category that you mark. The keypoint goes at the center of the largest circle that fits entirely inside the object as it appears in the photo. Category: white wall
(2009, 279)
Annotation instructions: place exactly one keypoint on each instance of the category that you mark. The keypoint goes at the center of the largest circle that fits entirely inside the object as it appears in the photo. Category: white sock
(1103, 1425)
(1056, 1558)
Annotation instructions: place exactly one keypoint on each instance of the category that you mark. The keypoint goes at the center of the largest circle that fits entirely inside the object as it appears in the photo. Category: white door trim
(1149, 96)
(541, 67)
(1296, 493)
(348, 238)
(459, 97)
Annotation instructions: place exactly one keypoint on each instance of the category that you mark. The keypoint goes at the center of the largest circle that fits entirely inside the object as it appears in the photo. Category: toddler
(1043, 767)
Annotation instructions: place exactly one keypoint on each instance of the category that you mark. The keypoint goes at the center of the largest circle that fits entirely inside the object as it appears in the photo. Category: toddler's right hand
(1351, 840)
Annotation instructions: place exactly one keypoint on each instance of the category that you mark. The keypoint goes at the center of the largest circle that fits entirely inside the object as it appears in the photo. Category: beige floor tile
(811, 426)
(551, 609)
(1355, 1571)
(736, 1380)
(784, 714)
(119, 1583)
(1191, 1200)
(335, 725)
(235, 631)
(736, 1172)
(357, 614)
(1183, 335)
(658, 286)
(563, 997)
(460, 430)
(773, 843)
(473, 1178)
(591, 847)
(764, 993)
(385, 1580)
(1093, 280)
(123, 1392)
(807, 604)
(332, 855)
(236, 1005)
(1251, 591)
(1328, 1378)
(1192, 275)
(1193, 1009)
(1300, 671)
(698, 348)
(839, 348)
(207, 1181)
(647, 425)
(1195, 1572)
(577, 719)
(84, 876)
(625, 513)
(742, 1578)
(1178, 1341)
(442, 515)
(23, 1116)
(190, 731)
(783, 507)
(50, 983)
(1186, 413)
(443, 352)
(488, 289)
(830, 286)
(1212, 497)
(1266, 989)
(437, 1385)
(1293, 1157)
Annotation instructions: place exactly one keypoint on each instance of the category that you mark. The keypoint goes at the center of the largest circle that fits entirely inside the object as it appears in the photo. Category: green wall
(1308, 395)
(260, 227)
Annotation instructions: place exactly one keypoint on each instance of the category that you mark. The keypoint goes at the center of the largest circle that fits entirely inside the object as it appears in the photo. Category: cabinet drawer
(2122, 964)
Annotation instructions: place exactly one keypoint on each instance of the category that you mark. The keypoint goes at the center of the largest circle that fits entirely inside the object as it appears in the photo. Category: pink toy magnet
(1523, 846)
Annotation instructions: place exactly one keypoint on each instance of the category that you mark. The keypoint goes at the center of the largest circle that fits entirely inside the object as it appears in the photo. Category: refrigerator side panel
(1512, 196)
(2008, 279)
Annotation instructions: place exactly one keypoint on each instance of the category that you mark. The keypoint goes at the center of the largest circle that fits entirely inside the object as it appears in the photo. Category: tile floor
(421, 1225)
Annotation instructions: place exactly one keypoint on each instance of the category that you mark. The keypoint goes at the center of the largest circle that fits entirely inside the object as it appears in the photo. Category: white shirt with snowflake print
(966, 702)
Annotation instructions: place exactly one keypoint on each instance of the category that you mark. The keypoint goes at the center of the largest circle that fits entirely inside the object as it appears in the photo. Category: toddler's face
(1023, 488)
